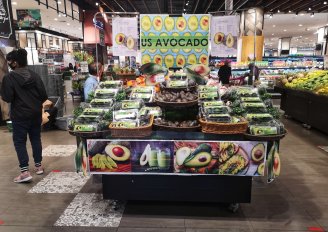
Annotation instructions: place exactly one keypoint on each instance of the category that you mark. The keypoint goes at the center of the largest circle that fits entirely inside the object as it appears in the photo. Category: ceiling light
(310, 8)
(97, 4)
(272, 33)
(59, 2)
(68, 24)
(14, 3)
(307, 29)
(273, 25)
(312, 14)
(270, 16)
(289, 11)
(55, 19)
(325, 3)
(300, 25)
(278, 11)
(187, 3)
(285, 30)
(59, 15)
(80, 28)
(83, 10)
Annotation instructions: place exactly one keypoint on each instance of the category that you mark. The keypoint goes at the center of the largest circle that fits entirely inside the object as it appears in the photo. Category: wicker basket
(223, 128)
(177, 129)
(138, 132)
(176, 104)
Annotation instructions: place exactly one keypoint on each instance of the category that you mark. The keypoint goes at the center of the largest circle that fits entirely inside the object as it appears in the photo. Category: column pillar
(284, 46)
(252, 39)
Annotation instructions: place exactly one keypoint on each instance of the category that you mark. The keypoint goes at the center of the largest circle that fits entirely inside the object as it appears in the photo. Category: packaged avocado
(263, 130)
(216, 110)
(111, 84)
(208, 95)
(94, 111)
(85, 127)
(254, 107)
(250, 99)
(156, 111)
(177, 83)
(129, 104)
(101, 103)
(222, 118)
(125, 124)
(212, 103)
(207, 88)
(131, 114)
(143, 89)
(146, 97)
(260, 118)
(88, 118)
(106, 93)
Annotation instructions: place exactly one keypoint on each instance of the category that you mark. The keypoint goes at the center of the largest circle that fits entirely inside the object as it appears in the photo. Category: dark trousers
(21, 129)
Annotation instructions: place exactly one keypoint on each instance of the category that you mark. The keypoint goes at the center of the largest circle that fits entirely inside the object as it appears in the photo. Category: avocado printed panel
(241, 158)
(174, 41)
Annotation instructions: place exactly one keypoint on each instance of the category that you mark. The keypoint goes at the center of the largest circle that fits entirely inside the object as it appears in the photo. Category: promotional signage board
(29, 18)
(174, 41)
(5, 21)
(239, 158)
(125, 36)
(224, 35)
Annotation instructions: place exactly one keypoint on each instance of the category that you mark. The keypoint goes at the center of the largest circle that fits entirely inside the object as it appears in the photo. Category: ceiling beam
(280, 5)
(208, 7)
(302, 6)
(171, 7)
(196, 7)
(117, 3)
(135, 9)
(145, 5)
(222, 5)
(292, 5)
(159, 8)
(241, 5)
(272, 2)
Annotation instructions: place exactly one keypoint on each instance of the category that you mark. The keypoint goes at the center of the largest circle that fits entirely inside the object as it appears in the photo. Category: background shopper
(25, 91)
(254, 73)
(95, 71)
(225, 73)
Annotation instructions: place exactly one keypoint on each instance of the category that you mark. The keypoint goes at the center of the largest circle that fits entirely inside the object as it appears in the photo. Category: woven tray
(90, 135)
(176, 104)
(138, 132)
(265, 137)
(178, 129)
(190, 88)
(223, 128)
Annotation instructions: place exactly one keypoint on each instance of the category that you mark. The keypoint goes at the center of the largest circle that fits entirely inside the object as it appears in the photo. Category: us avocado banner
(125, 36)
(174, 41)
(240, 158)
(224, 35)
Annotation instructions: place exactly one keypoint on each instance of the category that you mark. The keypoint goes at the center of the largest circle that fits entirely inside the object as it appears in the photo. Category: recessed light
(68, 24)
(285, 30)
(272, 33)
(273, 25)
(325, 3)
(300, 25)
(59, 2)
(97, 4)
(80, 28)
(278, 11)
(55, 19)
(289, 11)
(14, 3)
(310, 8)
(59, 15)
(187, 3)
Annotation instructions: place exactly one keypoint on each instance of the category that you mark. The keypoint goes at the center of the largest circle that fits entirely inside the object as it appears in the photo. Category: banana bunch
(103, 162)
(323, 91)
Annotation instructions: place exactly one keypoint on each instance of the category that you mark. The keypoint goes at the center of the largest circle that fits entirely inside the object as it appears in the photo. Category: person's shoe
(23, 177)
(39, 170)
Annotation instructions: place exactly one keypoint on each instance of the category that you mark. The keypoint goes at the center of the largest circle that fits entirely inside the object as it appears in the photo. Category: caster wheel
(233, 207)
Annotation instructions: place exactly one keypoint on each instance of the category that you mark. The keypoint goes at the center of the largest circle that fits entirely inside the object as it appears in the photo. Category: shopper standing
(225, 73)
(254, 74)
(25, 91)
(95, 71)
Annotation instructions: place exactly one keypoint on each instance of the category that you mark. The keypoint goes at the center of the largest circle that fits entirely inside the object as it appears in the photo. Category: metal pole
(254, 45)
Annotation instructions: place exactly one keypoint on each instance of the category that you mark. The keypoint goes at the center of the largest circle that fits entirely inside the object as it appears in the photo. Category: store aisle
(60, 199)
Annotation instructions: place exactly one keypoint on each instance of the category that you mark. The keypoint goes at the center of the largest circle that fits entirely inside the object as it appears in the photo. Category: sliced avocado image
(181, 154)
(260, 169)
(192, 59)
(193, 23)
(198, 49)
(120, 38)
(130, 43)
(158, 59)
(200, 69)
(152, 50)
(175, 50)
(203, 59)
(145, 59)
(145, 23)
(276, 164)
(218, 38)
(169, 23)
(187, 50)
(117, 152)
(169, 61)
(201, 159)
(230, 41)
(204, 22)
(180, 61)
(144, 158)
(181, 23)
(158, 23)
(258, 152)
(204, 147)
(153, 162)
(163, 50)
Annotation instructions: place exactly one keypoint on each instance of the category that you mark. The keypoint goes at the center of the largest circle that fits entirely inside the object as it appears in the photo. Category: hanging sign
(224, 35)
(125, 36)
(29, 18)
(5, 21)
(174, 41)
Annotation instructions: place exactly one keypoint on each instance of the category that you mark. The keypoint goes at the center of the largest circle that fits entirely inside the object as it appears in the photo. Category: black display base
(209, 188)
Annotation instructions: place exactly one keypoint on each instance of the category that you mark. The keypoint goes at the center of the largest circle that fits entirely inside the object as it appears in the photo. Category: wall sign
(5, 20)
(174, 41)
(29, 18)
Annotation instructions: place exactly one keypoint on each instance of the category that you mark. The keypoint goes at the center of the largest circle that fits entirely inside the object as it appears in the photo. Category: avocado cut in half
(158, 23)
(180, 60)
(169, 61)
(201, 159)
(130, 43)
(258, 152)
(181, 23)
(193, 23)
(204, 22)
(145, 59)
(169, 23)
(203, 59)
(276, 164)
(158, 59)
(230, 42)
(120, 38)
(181, 155)
(204, 147)
(187, 50)
(145, 23)
(163, 50)
(260, 169)
(117, 152)
(218, 38)
(198, 49)
(192, 59)
(144, 158)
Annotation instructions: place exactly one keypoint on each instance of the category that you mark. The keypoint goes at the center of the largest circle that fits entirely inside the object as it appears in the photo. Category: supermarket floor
(61, 200)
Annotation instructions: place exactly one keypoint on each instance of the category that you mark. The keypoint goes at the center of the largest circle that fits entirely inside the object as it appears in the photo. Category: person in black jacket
(225, 73)
(25, 91)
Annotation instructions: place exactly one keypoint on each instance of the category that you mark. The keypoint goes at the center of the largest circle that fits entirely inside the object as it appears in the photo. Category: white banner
(125, 36)
(224, 35)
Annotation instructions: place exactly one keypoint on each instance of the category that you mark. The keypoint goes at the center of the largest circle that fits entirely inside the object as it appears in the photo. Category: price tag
(159, 78)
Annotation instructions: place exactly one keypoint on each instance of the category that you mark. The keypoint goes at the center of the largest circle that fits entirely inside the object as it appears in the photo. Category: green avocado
(204, 147)
(201, 159)
(117, 152)
(230, 41)
(258, 152)
(260, 169)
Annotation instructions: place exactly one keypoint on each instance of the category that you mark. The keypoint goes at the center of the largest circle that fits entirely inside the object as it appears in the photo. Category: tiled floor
(297, 201)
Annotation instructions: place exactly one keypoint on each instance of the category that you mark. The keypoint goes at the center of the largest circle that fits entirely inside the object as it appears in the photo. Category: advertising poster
(240, 158)
(273, 162)
(174, 41)
(29, 18)
(125, 36)
(5, 21)
(224, 35)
